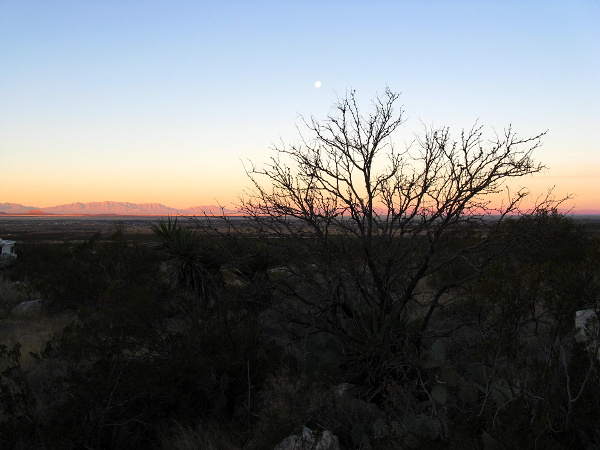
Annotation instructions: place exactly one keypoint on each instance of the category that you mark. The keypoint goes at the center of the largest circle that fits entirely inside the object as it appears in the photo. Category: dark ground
(74, 228)
(59, 228)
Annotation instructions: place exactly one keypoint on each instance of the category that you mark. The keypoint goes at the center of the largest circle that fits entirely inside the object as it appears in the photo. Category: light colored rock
(587, 330)
(29, 343)
(30, 309)
(582, 327)
(310, 440)
(345, 391)
(33, 343)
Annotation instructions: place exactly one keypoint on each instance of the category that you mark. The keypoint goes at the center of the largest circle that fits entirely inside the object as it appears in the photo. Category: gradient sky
(161, 101)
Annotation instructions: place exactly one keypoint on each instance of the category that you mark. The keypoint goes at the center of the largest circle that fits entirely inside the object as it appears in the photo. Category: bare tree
(376, 238)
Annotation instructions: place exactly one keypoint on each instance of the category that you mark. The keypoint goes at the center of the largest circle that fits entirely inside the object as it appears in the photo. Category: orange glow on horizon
(45, 189)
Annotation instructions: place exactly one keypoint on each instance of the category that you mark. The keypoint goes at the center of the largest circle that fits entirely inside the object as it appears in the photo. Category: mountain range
(116, 208)
(143, 209)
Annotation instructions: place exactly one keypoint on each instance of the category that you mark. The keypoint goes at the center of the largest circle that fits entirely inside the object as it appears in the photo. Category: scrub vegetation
(372, 292)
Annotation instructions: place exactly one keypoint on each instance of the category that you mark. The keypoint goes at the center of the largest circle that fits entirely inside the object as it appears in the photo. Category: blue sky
(156, 101)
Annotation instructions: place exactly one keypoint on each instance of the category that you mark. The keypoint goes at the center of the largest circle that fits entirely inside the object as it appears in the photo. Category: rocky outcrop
(29, 310)
(310, 440)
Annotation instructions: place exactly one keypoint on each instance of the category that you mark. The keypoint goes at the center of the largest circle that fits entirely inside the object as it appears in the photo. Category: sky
(150, 101)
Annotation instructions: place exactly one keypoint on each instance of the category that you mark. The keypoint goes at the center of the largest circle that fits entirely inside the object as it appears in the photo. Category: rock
(31, 309)
(31, 343)
(345, 392)
(583, 329)
(586, 330)
(310, 440)
(346, 399)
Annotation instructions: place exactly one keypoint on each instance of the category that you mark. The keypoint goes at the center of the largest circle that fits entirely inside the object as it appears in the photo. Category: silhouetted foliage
(190, 265)
(385, 301)
(372, 241)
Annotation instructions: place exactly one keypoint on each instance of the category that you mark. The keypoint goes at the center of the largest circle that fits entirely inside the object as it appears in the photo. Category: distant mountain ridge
(121, 208)
(15, 208)
(116, 208)
(147, 209)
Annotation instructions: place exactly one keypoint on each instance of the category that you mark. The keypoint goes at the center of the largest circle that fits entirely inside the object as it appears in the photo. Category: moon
(317, 84)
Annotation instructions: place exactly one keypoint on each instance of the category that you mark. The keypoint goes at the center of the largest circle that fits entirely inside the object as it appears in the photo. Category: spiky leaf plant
(188, 266)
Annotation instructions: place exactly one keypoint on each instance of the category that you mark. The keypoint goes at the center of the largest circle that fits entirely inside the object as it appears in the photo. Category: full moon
(317, 84)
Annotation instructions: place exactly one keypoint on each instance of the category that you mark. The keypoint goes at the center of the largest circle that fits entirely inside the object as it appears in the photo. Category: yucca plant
(188, 265)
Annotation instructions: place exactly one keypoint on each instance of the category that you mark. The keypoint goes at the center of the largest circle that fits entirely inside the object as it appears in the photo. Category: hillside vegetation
(198, 343)
(372, 295)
